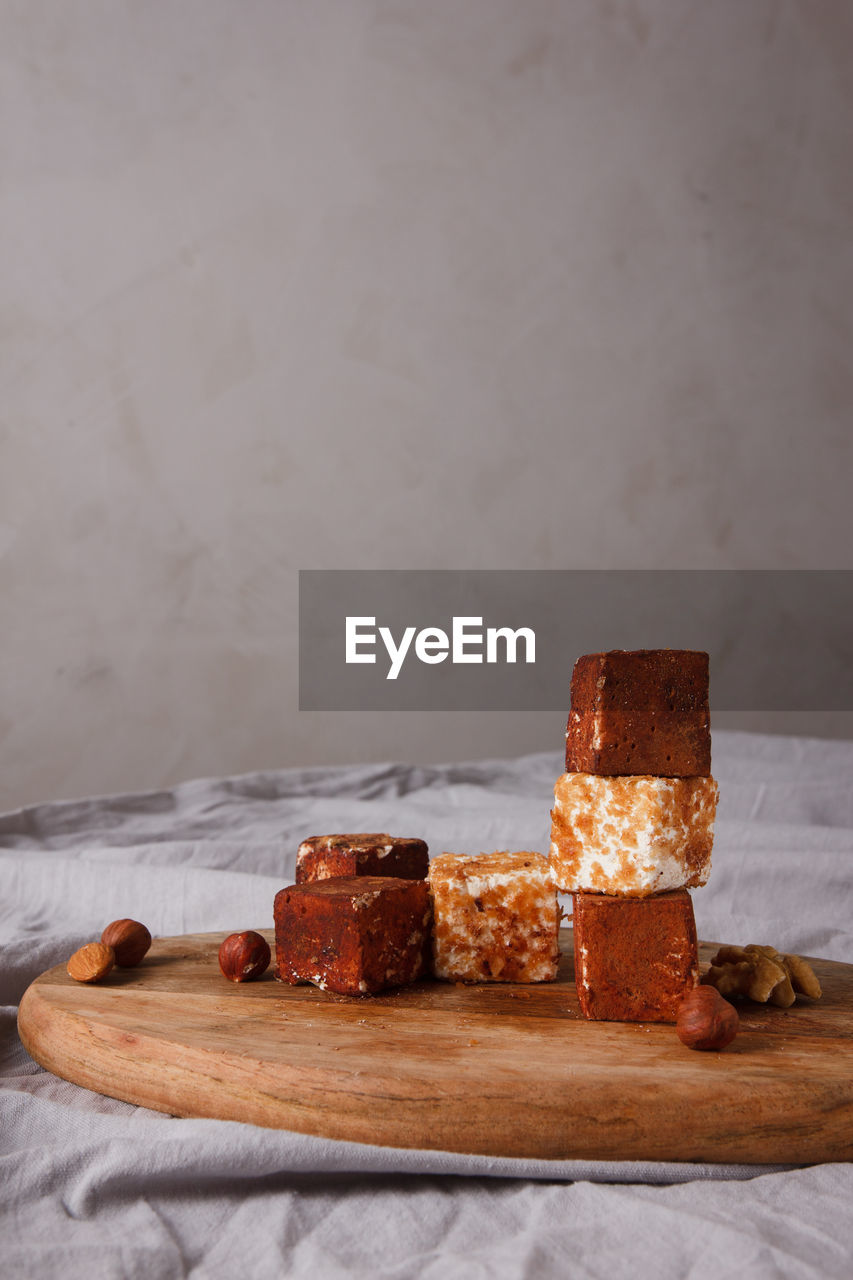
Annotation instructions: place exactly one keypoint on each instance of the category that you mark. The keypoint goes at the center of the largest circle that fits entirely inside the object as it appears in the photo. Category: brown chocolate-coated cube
(635, 958)
(361, 854)
(355, 935)
(640, 712)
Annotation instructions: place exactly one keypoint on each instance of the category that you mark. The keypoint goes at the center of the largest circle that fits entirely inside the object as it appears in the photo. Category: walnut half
(763, 974)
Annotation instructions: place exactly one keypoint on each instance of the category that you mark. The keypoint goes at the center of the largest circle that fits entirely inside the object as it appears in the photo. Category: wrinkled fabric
(90, 1186)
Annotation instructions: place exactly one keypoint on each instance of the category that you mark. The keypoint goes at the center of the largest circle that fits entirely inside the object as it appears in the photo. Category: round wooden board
(496, 1069)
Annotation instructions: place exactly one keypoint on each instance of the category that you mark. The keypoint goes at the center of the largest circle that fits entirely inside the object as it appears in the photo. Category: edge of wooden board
(500, 1070)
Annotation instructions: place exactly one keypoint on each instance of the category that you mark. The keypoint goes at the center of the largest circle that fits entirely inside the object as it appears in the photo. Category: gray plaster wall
(403, 284)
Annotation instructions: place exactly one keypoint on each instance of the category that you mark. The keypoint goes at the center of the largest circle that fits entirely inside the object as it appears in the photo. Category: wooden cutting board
(497, 1069)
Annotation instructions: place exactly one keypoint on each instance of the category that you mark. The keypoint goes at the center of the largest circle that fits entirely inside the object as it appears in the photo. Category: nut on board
(91, 963)
(129, 940)
(244, 956)
(705, 1020)
(762, 974)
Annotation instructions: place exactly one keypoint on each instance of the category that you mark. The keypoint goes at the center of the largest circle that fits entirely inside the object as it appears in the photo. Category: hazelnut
(91, 963)
(705, 1020)
(130, 941)
(244, 956)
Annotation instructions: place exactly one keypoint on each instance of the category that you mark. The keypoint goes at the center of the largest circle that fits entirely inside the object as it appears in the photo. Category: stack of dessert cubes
(632, 830)
(633, 826)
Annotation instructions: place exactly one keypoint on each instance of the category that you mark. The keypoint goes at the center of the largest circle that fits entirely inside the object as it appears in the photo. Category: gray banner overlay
(778, 639)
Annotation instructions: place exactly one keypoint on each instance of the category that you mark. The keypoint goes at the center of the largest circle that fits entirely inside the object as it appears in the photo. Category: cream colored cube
(495, 918)
(631, 835)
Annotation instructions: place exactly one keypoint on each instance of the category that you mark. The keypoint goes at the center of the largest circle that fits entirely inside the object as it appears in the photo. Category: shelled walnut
(762, 974)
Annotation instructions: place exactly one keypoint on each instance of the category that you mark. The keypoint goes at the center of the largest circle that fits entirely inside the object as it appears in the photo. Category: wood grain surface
(495, 1069)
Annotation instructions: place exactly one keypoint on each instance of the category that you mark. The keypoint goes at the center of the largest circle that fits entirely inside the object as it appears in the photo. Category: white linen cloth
(93, 1187)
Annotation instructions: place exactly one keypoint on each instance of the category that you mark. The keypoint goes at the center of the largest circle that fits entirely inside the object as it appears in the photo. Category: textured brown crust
(640, 712)
(361, 854)
(355, 935)
(635, 958)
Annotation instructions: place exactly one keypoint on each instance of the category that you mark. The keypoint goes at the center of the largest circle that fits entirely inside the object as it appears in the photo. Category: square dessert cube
(635, 958)
(633, 836)
(355, 935)
(640, 712)
(361, 854)
(495, 918)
